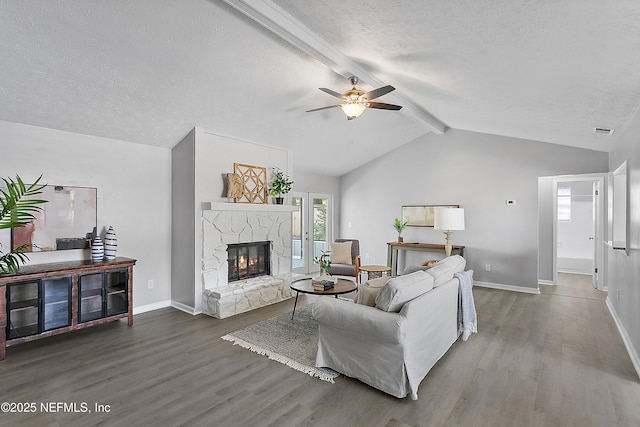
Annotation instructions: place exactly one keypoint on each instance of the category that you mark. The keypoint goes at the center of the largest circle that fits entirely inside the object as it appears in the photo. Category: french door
(311, 230)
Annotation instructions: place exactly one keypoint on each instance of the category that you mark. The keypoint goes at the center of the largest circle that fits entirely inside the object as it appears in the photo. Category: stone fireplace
(228, 226)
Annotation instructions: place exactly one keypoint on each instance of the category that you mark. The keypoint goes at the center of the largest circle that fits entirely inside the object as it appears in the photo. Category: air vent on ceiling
(603, 131)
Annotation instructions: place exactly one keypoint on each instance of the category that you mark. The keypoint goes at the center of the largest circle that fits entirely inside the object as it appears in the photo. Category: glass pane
(297, 248)
(23, 309)
(319, 227)
(90, 307)
(56, 302)
(116, 292)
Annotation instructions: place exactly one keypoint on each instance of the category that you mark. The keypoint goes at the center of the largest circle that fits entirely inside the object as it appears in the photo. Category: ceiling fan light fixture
(353, 109)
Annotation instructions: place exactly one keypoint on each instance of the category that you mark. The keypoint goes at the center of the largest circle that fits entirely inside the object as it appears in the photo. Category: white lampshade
(448, 219)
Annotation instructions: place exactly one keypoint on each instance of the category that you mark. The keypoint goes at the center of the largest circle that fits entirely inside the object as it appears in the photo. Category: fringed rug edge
(319, 373)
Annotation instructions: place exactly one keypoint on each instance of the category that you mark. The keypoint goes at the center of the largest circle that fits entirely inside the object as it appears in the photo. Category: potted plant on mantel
(280, 185)
(399, 226)
(17, 208)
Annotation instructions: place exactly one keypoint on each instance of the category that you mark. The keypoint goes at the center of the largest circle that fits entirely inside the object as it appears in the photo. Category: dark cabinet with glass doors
(49, 299)
(37, 306)
(102, 295)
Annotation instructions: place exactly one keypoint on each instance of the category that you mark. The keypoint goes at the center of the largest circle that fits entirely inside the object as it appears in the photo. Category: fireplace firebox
(247, 260)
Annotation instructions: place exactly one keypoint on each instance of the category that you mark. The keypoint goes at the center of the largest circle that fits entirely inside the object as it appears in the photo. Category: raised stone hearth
(226, 223)
(245, 295)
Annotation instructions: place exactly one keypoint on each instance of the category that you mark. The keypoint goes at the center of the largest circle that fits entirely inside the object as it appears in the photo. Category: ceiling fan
(356, 100)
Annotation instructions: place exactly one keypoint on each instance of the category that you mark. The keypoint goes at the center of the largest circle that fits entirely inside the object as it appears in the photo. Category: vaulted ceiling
(147, 71)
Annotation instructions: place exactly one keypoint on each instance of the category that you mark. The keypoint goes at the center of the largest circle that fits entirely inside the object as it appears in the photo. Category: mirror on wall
(67, 221)
(620, 208)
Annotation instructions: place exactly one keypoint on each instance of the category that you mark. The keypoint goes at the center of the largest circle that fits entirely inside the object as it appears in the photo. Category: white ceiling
(147, 71)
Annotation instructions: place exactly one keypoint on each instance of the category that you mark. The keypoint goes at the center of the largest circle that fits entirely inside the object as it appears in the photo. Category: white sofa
(392, 346)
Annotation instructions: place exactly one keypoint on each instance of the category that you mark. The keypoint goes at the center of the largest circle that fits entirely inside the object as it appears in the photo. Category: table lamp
(448, 219)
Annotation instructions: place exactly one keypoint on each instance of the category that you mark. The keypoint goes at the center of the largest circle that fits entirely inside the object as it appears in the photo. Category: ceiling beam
(275, 19)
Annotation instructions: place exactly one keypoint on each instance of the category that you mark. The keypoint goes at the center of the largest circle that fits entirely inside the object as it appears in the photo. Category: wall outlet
(487, 267)
(366, 256)
(349, 225)
(510, 202)
(150, 284)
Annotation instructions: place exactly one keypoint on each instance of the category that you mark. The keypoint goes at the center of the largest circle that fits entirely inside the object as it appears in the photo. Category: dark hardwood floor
(554, 359)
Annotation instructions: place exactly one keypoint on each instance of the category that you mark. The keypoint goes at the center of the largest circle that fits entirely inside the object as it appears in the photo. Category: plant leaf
(17, 205)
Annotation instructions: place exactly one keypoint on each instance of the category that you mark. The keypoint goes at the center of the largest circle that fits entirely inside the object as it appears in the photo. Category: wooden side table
(394, 247)
(374, 271)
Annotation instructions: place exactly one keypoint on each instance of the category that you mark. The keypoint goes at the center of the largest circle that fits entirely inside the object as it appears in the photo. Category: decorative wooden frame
(421, 215)
(254, 180)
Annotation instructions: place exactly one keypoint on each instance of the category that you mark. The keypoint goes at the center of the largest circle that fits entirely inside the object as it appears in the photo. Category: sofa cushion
(369, 290)
(444, 270)
(340, 253)
(400, 290)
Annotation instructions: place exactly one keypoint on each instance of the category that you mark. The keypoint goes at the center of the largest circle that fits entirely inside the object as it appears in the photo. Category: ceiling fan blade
(331, 92)
(379, 92)
(321, 108)
(383, 106)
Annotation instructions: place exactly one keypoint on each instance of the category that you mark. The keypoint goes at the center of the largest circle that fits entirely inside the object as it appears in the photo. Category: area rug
(291, 343)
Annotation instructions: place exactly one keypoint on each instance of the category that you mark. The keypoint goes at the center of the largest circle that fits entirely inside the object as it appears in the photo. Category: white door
(311, 230)
(594, 242)
(597, 239)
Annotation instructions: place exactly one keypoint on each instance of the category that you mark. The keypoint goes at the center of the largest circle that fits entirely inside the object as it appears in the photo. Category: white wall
(200, 166)
(133, 183)
(477, 171)
(624, 270)
(183, 223)
(310, 182)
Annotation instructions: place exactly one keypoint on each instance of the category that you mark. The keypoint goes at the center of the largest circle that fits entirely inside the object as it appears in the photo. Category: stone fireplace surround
(225, 223)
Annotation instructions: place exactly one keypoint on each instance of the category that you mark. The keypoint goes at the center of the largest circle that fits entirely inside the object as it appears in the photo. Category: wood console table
(394, 247)
(50, 299)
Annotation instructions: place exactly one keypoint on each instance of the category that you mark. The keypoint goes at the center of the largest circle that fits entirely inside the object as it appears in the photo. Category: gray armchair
(352, 269)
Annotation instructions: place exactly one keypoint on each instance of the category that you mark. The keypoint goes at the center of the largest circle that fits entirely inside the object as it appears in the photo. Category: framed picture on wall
(421, 215)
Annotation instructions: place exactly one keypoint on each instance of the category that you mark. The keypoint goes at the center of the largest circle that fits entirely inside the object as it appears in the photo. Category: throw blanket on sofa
(467, 319)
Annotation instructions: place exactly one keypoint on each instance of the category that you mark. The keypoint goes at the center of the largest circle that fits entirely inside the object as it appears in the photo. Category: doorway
(312, 230)
(578, 224)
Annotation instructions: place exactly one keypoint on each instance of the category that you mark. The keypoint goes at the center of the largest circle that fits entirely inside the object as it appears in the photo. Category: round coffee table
(305, 286)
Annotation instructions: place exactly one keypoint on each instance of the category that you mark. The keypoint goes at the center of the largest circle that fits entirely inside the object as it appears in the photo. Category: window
(564, 204)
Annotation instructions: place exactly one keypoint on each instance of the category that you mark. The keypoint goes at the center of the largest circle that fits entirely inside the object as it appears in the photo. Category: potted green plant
(17, 208)
(399, 226)
(324, 261)
(280, 185)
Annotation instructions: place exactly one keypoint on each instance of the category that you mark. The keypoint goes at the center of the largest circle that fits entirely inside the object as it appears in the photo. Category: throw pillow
(443, 271)
(340, 253)
(400, 290)
(369, 290)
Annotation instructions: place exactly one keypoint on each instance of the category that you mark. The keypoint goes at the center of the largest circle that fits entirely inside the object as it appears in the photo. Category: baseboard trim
(625, 337)
(546, 282)
(186, 308)
(502, 287)
(574, 271)
(151, 307)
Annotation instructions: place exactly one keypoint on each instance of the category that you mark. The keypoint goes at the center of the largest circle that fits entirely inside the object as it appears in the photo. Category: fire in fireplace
(248, 260)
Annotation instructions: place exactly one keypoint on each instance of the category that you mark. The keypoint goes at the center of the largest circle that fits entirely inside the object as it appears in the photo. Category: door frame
(307, 228)
(599, 224)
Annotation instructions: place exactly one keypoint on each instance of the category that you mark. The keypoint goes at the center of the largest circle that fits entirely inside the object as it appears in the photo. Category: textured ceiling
(147, 71)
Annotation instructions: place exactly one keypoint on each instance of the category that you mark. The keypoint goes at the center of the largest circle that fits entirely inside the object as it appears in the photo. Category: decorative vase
(400, 239)
(97, 249)
(110, 244)
(279, 200)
